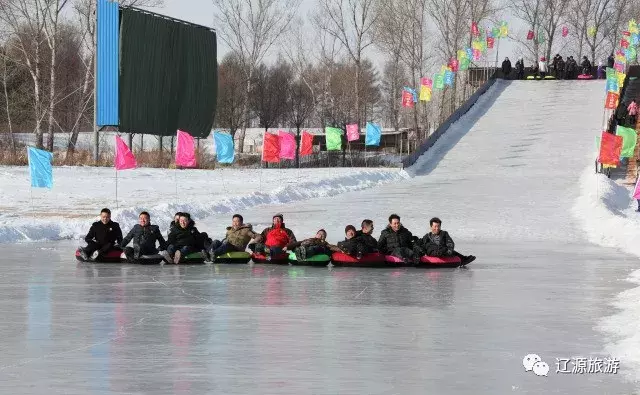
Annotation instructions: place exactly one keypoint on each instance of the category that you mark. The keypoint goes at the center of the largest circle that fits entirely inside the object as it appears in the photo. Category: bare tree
(300, 106)
(542, 16)
(5, 77)
(250, 28)
(353, 26)
(270, 87)
(230, 113)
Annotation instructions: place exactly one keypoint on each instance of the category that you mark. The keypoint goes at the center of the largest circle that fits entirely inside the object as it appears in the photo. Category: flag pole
(175, 173)
(117, 189)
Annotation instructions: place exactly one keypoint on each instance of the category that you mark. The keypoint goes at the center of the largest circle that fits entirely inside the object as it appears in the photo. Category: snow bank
(607, 213)
(55, 217)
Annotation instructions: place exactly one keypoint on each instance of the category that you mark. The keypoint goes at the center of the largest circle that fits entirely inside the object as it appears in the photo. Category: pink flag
(565, 31)
(426, 82)
(124, 157)
(185, 150)
(636, 191)
(352, 132)
(287, 145)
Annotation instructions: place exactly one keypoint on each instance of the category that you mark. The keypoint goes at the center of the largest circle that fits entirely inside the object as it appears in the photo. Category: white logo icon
(540, 368)
(529, 360)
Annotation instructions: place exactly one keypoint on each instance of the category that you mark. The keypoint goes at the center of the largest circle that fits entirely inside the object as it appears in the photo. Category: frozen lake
(95, 329)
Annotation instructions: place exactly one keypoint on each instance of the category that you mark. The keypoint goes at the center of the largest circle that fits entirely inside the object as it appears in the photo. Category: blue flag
(373, 134)
(448, 77)
(224, 147)
(40, 168)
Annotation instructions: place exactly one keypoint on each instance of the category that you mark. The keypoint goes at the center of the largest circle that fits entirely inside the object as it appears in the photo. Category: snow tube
(112, 256)
(375, 259)
(436, 261)
(234, 257)
(315, 260)
(194, 257)
(395, 261)
(282, 259)
(585, 77)
(549, 77)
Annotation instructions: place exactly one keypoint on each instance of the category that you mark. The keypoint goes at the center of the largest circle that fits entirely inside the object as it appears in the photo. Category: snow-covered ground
(608, 214)
(79, 193)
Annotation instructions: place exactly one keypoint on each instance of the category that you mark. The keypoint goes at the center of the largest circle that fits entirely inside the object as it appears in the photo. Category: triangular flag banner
(124, 158)
(464, 64)
(448, 77)
(424, 81)
(495, 32)
(469, 52)
(407, 99)
(185, 150)
(40, 168)
(621, 77)
(624, 43)
(474, 29)
(476, 54)
(461, 54)
(352, 132)
(565, 31)
(490, 42)
(454, 64)
(414, 94)
(611, 74)
(629, 139)
(270, 148)
(225, 152)
(333, 138)
(439, 81)
(610, 148)
(504, 30)
(612, 86)
(636, 190)
(373, 134)
(287, 145)
(306, 144)
(612, 101)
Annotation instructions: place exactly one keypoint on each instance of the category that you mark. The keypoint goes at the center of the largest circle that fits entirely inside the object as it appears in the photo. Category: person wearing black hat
(274, 238)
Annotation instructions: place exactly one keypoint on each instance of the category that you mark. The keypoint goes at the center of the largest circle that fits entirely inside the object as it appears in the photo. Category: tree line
(347, 61)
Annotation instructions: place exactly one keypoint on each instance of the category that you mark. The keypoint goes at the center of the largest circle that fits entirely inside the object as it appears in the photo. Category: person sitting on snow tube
(314, 246)
(369, 242)
(439, 243)
(203, 241)
(350, 245)
(396, 240)
(144, 236)
(103, 236)
(238, 236)
(274, 238)
(175, 223)
(182, 240)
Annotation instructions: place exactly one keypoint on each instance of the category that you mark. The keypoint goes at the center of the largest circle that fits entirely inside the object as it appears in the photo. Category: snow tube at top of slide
(436, 261)
(234, 257)
(368, 260)
(281, 259)
(315, 260)
(585, 77)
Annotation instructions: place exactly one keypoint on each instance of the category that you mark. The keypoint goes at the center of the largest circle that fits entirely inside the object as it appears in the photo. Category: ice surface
(504, 180)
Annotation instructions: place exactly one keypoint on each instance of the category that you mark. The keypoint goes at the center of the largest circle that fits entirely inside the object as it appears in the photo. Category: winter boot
(176, 257)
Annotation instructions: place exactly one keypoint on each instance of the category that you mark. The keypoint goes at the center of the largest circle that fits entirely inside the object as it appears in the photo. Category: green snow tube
(315, 260)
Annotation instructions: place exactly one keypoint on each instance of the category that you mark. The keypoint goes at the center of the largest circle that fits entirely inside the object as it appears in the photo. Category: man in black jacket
(439, 243)
(144, 236)
(102, 237)
(610, 61)
(182, 240)
(506, 68)
(396, 240)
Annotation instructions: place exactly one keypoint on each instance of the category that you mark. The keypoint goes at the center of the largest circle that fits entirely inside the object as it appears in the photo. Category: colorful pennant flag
(565, 31)
(414, 94)
(40, 168)
(407, 99)
(504, 31)
(633, 26)
(489, 43)
(461, 54)
(270, 148)
(474, 29)
(495, 32)
(124, 158)
(476, 54)
(453, 64)
(636, 190)
(448, 77)
(185, 150)
(629, 139)
(439, 81)
(591, 31)
(624, 43)
(612, 101)
(353, 133)
(225, 152)
(464, 64)
(306, 144)
(610, 148)
(621, 77)
(424, 81)
(626, 33)
(612, 86)
(425, 93)
(287, 145)
(333, 138)
(373, 134)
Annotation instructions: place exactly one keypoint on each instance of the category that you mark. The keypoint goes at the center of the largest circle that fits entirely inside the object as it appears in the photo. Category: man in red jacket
(274, 239)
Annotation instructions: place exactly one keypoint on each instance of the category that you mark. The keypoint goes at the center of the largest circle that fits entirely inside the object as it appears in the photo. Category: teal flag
(333, 138)
(224, 147)
(439, 81)
(373, 134)
(629, 138)
(40, 168)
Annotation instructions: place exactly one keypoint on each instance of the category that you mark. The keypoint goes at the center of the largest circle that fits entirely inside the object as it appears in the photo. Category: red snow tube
(368, 260)
(281, 259)
(112, 256)
(395, 261)
(437, 261)
(585, 77)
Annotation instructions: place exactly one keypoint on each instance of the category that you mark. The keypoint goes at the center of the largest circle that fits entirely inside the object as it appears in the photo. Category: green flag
(629, 138)
(333, 138)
